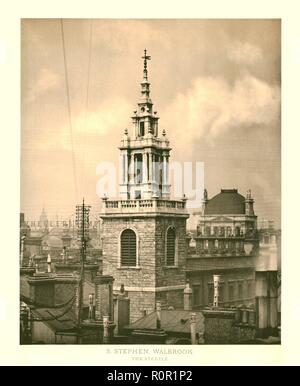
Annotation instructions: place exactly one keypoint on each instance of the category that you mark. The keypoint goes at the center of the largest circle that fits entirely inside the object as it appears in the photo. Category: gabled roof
(228, 201)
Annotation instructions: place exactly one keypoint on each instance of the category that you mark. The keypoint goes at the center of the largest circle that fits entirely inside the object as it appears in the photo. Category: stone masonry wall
(130, 277)
(166, 276)
(141, 303)
(152, 271)
(171, 298)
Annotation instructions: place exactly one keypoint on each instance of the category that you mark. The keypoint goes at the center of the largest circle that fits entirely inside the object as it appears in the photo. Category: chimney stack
(158, 315)
(49, 263)
(91, 307)
(22, 251)
(105, 329)
(193, 328)
(216, 290)
(266, 288)
(188, 297)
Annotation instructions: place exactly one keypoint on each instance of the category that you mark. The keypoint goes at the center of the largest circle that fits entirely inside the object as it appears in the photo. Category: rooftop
(172, 321)
(58, 319)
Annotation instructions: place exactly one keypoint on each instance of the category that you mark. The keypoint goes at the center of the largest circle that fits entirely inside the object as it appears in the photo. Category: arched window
(128, 248)
(170, 252)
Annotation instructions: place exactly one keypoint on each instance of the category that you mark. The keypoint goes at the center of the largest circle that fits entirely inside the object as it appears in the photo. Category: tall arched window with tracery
(128, 248)
(170, 247)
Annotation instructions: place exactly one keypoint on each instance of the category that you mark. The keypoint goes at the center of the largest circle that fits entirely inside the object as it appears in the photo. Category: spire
(145, 83)
(146, 57)
(43, 218)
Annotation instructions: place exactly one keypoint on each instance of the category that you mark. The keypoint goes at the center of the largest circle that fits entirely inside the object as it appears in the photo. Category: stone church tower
(144, 233)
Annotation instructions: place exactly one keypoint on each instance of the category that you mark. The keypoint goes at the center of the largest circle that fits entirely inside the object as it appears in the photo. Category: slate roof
(66, 322)
(66, 319)
(172, 321)
(228, 201)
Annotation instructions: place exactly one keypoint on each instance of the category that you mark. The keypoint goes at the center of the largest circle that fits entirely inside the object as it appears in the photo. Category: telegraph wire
(87, 99)
(69, 107)
(37, 305)
(53, 317)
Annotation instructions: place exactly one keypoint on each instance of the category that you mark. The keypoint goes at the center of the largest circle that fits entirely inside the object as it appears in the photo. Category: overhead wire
(87, 101)
(69, 108)
(37, 305)
(53, 317)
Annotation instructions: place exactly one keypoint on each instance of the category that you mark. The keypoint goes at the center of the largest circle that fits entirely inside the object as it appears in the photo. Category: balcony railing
(144, 205)
(214, 262)
(241, 235)
(221, 236)
(219, 252)
(144, 141)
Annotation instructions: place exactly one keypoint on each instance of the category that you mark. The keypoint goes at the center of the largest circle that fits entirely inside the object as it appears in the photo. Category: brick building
(144, 233)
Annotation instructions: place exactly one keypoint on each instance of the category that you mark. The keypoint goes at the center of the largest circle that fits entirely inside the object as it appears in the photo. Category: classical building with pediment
(226, 243)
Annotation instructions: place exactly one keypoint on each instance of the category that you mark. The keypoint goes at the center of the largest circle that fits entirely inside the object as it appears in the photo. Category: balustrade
(145, 204)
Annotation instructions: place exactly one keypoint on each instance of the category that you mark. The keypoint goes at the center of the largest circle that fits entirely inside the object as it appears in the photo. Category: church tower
(144, 232)
(144, 154)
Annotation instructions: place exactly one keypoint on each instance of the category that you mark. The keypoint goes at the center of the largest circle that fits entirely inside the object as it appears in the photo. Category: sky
(216, 85)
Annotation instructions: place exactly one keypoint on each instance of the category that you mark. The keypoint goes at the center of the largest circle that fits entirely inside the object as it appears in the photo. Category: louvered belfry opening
(171, 246)
(128, 248)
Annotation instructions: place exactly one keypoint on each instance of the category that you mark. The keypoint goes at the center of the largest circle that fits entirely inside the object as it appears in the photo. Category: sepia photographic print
(150, 182)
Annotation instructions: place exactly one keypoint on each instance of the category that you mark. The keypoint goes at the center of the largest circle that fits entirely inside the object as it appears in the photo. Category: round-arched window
(128, 248)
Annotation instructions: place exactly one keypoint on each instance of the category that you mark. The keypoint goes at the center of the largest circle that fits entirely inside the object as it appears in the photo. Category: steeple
(43, 220)
(145, 121)
(145, 98)
(145, 154)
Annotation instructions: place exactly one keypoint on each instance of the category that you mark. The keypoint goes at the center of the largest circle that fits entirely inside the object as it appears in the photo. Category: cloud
(243, 53)
(213, 106)
(119, 35)
(47, 80)
(108, 120)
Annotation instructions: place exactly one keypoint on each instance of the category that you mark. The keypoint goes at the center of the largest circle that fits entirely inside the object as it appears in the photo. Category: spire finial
(145, 57)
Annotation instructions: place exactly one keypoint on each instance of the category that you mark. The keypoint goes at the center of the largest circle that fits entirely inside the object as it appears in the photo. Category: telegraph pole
(82, 222)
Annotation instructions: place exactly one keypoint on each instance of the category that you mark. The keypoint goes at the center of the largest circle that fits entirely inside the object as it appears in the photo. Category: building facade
(268, 282)
(144, 233)
(226, 243)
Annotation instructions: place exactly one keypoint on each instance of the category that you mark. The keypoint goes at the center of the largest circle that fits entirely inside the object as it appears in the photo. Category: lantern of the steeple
(145, 156)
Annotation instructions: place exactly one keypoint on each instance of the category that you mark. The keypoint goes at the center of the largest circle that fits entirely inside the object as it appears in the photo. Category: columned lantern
(144, 153)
